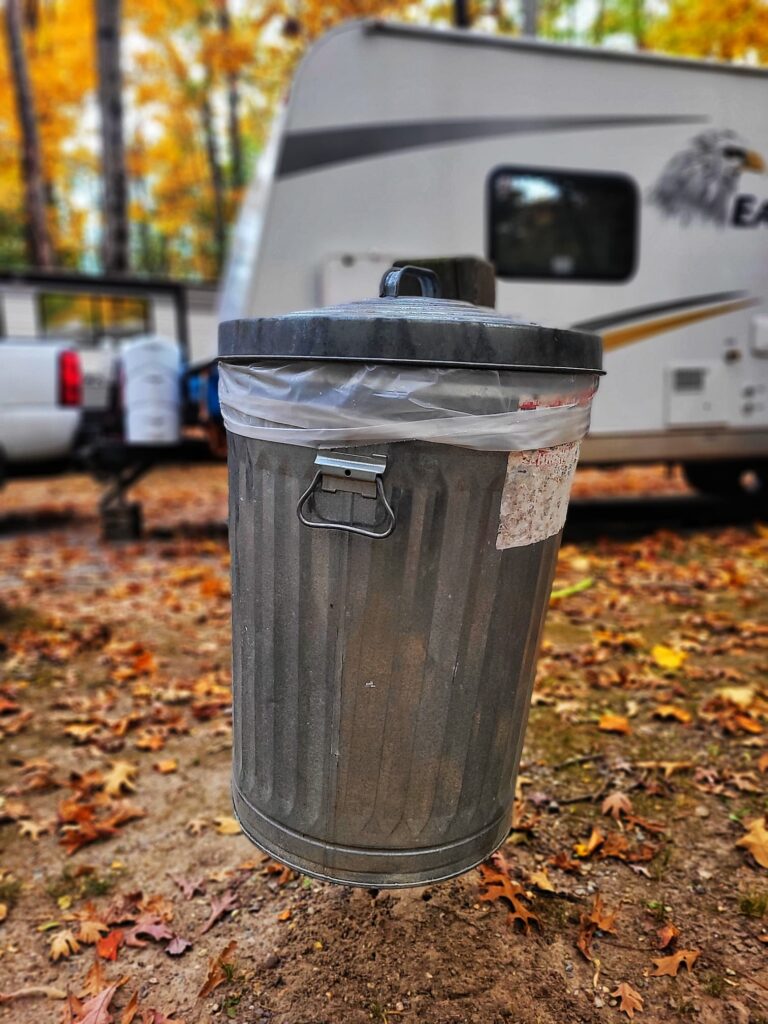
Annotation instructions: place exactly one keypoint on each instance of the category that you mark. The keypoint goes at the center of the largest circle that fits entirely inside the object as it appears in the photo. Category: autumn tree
(723, 29)
(39, 241)
(114, 244)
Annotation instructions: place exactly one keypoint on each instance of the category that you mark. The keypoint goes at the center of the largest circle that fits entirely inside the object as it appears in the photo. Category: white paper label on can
(534, 501)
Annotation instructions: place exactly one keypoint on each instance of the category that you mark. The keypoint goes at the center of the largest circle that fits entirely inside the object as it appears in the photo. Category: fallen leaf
(285, 915)
(574, 588)
(220, 905)
(671, 964)
(131, 1009)
(96, 1009)
(497, 885)
(541, 880)
(630, 1000)
(614, 723)
(227, 826)
(91, 931)
(149, 926)
(167, 767)
(177, 946)
(64, 944)
(95, 979)
(119, 778)
(742, 696)
(617, 804)
(668, 658)
(189, 886)
(667, 934)
(196, 825)
(595, 840)
(216, 972)
(563, 862)
(108, 946)
(600, 918)
(667, 711)
(48, 991)
(32, 829)
(762, 762)
(756, 841)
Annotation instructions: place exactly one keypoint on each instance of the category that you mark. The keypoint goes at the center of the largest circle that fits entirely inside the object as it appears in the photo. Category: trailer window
(562, 224)
(88, 318)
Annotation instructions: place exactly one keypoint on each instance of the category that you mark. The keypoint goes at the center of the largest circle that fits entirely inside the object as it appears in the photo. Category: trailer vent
(689, 379)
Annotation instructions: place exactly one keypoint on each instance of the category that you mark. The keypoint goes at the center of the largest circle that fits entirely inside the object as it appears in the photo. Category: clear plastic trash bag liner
(327, 405)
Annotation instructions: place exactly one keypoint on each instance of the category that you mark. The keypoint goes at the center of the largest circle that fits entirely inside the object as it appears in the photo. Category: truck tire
(728, 479)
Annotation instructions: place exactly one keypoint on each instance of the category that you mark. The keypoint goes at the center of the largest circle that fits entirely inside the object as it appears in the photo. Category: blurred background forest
(128, 130)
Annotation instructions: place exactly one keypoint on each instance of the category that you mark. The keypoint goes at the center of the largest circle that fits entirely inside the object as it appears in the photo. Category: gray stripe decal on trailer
(314, 148)
(641, 312)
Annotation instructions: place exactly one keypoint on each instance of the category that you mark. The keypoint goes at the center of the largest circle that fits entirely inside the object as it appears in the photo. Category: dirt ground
(128, 892)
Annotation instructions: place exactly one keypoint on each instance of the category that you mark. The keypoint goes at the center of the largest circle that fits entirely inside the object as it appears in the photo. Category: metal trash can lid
(401, 328)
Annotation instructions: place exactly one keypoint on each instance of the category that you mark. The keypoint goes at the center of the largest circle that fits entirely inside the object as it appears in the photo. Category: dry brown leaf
(599, 917)
(48, 991)
(96, 1009)
(671, 964)
(91, 931)
(95, 979)
(762, 762)
(630, 1001)
(614, 723)
(756, 841)
(33, 829)
(167, 767)
(668, 767)
(667, 711)
(586, 849)
(216, 972)
(285, 915)
(497, 885)
(541, 880)
(617, 804)
(131, 1009)
(64, 944)
(667, 934)
(119, 778)
(227, 826)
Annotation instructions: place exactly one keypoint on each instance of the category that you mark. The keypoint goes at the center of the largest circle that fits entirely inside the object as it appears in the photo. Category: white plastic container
(151, 391)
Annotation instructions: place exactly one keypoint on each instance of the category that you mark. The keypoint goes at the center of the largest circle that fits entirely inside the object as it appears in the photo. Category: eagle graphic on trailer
(613, 192)
(701, 181)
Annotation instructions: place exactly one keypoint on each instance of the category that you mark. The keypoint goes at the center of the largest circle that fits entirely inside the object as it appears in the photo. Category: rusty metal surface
(381, 687)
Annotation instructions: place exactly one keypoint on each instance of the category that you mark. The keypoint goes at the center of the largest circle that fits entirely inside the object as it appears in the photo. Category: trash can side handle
(338, 471)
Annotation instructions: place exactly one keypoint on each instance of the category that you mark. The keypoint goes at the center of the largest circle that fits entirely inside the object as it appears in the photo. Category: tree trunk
(115, 256)
(237, 165)
(38, 237)
(217, 178)
(461, 15)
(598, 25)
(638, 23)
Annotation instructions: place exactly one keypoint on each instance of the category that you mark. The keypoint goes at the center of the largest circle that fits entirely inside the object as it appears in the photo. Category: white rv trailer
(622, 193)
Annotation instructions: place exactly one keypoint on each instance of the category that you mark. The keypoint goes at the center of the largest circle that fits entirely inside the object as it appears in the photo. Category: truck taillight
(70, 379)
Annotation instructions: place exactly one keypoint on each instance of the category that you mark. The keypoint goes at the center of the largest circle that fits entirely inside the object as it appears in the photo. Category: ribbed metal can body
(381, 686)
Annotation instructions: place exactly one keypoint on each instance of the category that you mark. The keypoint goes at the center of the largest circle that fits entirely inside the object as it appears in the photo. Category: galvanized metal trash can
(399, 474)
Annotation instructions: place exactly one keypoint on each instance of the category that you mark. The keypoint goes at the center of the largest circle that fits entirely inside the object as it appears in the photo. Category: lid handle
(427, 280)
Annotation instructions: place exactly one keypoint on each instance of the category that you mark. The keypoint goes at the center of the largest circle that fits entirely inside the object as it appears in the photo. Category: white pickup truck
(41, 387)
